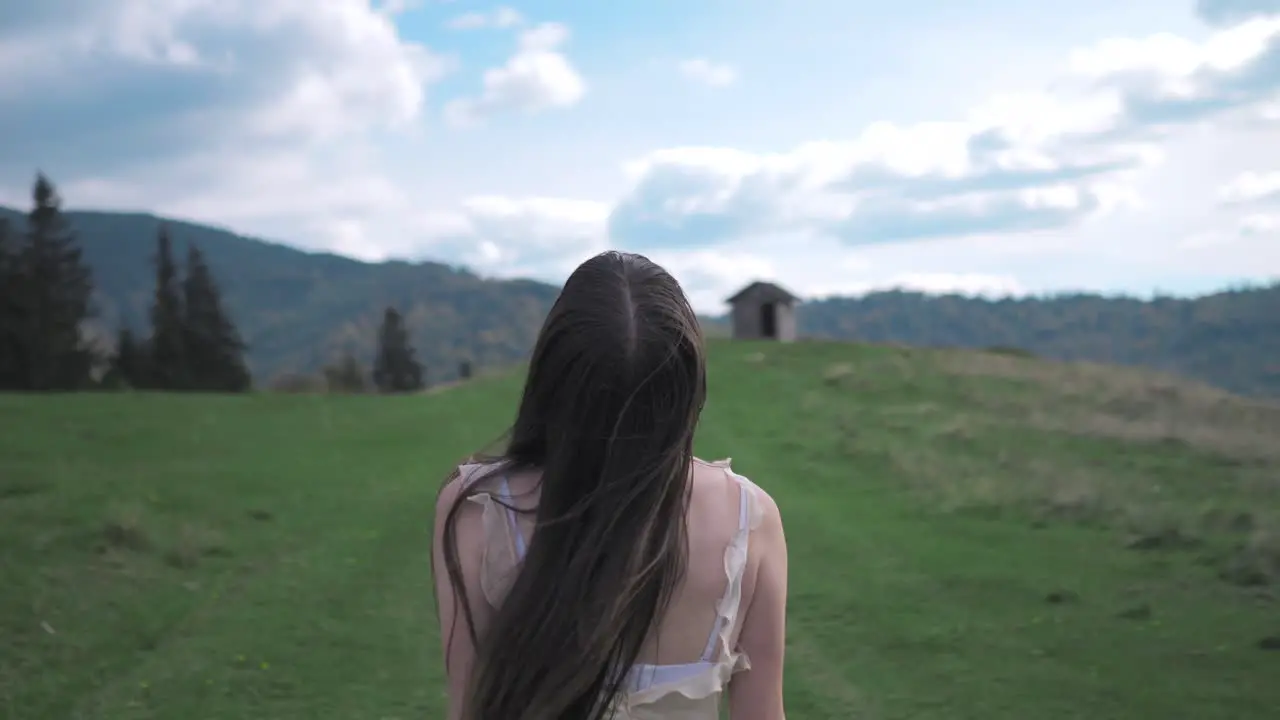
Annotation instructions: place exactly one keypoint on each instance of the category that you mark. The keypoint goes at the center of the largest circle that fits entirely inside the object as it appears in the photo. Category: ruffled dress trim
(698, 691)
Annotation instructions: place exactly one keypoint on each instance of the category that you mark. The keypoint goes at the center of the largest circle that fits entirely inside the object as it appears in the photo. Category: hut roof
(764, 290)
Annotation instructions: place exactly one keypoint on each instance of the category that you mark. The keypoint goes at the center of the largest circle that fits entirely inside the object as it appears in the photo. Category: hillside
(972, 536)
(1230, 339)
(299, 310)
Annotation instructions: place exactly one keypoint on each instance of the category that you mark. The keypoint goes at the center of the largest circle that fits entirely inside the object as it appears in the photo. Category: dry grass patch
(1010, 485)
(193, 543)
(1129, 404)
(1254, 562)
(834, 374)
(1168, 464)
(125, 529)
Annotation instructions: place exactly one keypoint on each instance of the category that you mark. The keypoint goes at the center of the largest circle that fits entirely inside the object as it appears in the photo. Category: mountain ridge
(300, 309)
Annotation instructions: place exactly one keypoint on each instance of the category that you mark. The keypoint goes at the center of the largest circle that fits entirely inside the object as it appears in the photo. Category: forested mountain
(1230, 339)
(299, 311)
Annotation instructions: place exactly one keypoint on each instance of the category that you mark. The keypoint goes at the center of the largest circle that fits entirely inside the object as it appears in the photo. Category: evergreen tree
(395, 366)
(8, 250)
(10, 316)
(214, 348)
(54, 290)
(168, 361)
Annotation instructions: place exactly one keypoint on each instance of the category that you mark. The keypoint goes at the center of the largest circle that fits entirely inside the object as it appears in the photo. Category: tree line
(193, 345)
(396, 368)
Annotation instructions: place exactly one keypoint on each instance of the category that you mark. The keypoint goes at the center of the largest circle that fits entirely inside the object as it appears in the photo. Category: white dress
(689, 691)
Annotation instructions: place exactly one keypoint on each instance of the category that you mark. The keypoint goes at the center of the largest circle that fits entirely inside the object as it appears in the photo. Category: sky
(834, 147)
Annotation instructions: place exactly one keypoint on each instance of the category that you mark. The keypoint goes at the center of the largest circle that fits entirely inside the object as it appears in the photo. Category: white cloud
(708, 72)
(399, 7)
(537, 77)
(1251, 187)
(1163, 81)
(1252, 226)
(281, 139)
(890, 183)
(711, 275)
(503, 17)
(539, 236)
(493, 235)
(1261, 224)
(1258, 194)
(242, 71)
(258, 115)
(1017, 163)
(935, 283)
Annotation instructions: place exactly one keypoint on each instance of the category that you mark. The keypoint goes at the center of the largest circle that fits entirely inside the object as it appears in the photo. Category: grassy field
(972, 535)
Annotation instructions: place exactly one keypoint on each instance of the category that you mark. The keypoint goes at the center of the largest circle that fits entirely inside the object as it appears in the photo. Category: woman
(597, 570)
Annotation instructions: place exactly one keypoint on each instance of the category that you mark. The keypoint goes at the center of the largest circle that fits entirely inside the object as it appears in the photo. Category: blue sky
(836, 147)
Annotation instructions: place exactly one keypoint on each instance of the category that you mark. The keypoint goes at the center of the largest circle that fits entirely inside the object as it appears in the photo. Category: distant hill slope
(298, 310)
(1230, 339)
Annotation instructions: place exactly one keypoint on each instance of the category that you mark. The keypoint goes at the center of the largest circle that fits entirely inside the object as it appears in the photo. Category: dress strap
(736, 551)
(512, 519)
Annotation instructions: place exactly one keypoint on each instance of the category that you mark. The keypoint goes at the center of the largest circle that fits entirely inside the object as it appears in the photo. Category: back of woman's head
(615, 386)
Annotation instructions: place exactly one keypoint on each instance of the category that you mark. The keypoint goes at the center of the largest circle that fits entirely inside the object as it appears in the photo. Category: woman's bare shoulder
(765, 510)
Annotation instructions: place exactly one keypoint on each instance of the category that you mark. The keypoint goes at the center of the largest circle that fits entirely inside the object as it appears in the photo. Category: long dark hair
(616, 384)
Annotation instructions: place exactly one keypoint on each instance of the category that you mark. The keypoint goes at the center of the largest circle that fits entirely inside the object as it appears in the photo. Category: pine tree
(10, 311)
(215, 350)
(54, 292)
(395, 366)
(168, 361)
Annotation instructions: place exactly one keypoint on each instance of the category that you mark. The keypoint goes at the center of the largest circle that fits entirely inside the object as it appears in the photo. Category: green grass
(967, 536)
